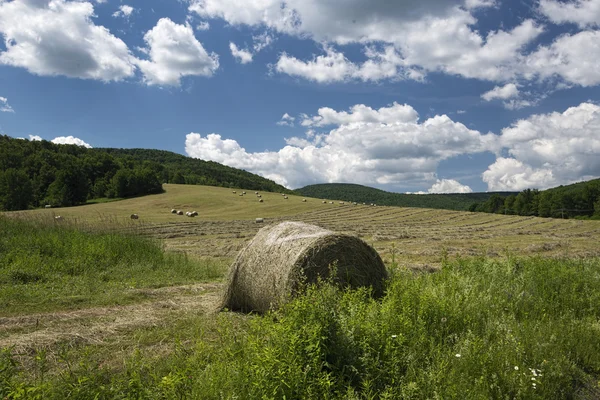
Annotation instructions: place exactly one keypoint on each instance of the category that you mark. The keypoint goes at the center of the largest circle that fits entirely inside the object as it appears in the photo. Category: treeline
(175, 168)
(36, 173)
(580, 200)
(365, 194)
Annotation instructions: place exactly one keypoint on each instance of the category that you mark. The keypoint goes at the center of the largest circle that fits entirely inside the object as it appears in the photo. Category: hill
(365, 194)
(179, 169)
(578, 200)
(36, 173)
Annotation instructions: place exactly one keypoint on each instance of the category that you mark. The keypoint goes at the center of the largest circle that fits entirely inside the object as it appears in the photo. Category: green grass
(517, 328)
(47, 266)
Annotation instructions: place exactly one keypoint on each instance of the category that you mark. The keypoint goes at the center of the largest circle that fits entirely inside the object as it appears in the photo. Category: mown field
(101, 306)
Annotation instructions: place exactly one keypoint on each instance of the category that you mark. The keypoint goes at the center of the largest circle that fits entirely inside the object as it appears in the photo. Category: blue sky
(408, 96)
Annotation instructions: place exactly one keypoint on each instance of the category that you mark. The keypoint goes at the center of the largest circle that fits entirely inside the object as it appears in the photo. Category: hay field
(413, 237)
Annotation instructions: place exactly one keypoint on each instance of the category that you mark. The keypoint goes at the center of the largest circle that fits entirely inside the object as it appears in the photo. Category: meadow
(478, 305)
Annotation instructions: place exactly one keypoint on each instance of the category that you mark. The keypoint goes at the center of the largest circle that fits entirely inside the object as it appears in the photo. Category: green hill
(179, 169)
(365, 194)
(36, 173)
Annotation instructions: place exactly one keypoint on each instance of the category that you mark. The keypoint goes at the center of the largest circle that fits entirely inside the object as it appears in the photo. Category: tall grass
(47, 265)
(477, 329)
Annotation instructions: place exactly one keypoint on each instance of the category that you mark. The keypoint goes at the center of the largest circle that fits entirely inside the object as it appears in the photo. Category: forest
(579, 200)
(38, 173)
(365, 194)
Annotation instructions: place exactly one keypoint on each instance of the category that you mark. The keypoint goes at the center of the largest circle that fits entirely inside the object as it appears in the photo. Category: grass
(479, 328)
(48, 266)
(517, 298)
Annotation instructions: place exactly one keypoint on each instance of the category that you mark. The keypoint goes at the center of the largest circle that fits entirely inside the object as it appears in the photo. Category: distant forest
(36, 173)
(579, 200)
(365, 194)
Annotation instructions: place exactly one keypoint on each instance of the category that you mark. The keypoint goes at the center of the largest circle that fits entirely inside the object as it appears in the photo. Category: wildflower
(444, 319)
(533, 379)
(457, 355)
(394, 336)
(516, 368)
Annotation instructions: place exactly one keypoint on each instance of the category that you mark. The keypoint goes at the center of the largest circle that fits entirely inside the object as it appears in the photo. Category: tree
(70, 187)
(16, 192)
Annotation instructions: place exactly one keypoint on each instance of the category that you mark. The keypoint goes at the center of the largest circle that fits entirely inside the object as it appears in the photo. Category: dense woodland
(365, 194)
(36, 173)
(579, 200)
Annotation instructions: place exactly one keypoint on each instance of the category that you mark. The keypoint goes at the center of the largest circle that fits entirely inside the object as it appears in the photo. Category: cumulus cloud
(449, 186)
(418, 37)
(548, 149)
(58, 37)
(286, 120)
(388, 146)
(361, 113)
(175, 53)
(333, 66)
(62, 140)
(124, 11)
(243, 56)
(4, 106)
(572, 57)
(585, 13)
(501, 92)
(70, 140)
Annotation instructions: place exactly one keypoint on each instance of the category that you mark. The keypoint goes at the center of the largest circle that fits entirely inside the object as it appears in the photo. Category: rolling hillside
(365, 194)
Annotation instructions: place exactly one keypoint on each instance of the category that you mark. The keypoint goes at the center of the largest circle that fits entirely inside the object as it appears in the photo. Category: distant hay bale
(179, 212)
(324, 202)
(134, 216)
(259, 220)
(173, 211)
(304, 200)
(281, 257)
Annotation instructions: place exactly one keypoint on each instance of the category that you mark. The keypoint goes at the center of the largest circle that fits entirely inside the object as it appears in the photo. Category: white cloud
(262, 41)
(470, 4)
(68, 140)
(585, 13)
(203, 26)
(501, 92)
(548, 150)
(175, 53)
(361, 113)
(417, 36)
(62, 140)
(449, 186)
(335, 67)
(508, 174)
(4, 106)
(574, 58)
(385, 147)
(325, 20)
(243, 56)
(124, 11)
(58, 37)
(286, 120)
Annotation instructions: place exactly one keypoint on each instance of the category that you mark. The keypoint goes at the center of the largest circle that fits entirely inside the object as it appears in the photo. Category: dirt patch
(95, 325)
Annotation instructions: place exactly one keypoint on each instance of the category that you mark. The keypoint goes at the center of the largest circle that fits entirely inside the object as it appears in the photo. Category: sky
(421, 96)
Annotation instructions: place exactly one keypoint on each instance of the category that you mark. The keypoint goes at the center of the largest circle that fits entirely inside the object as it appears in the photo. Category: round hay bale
(280, 258)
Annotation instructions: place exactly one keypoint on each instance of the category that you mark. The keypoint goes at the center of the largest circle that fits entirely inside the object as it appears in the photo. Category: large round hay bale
(280, 258)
